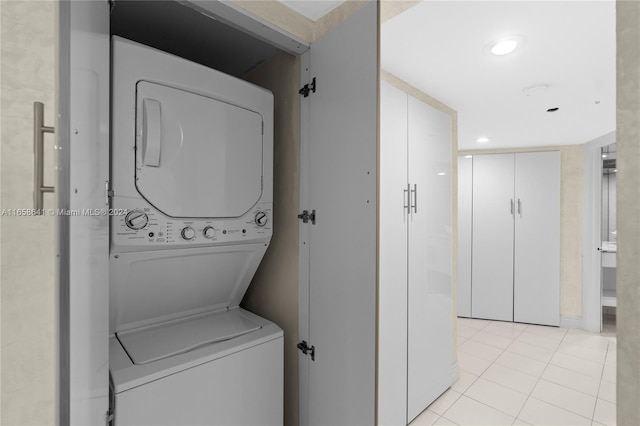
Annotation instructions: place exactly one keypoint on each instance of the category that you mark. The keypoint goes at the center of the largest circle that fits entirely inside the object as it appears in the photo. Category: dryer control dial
(209, 232)
(136, 219)
(188, 233)
(260, 218)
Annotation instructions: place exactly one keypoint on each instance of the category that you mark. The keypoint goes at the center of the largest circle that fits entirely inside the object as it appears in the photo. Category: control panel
(143, 227)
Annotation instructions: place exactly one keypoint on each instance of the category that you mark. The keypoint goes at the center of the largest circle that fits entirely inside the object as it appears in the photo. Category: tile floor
(519, 374)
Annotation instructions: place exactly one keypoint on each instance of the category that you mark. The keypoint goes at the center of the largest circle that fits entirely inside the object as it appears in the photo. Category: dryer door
(196, 156)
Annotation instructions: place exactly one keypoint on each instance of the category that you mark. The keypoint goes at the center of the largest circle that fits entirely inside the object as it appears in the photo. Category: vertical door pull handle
(39, 129)
(512, 206)
(414, 191)
(406, 197)
(519, 207)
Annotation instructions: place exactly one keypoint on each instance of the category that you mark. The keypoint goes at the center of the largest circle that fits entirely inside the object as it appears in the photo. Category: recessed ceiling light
(468, 156)
(604, 155)
(482, 140)
(505, 45)
(441, 174)
(615, 170)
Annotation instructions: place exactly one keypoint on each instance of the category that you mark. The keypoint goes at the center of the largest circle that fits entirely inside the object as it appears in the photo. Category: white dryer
(192, 167)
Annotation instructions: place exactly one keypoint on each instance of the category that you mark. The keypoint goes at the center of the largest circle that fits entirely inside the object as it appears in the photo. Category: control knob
(209, 232)
(188, 233)
(260, 218)
(136, 219)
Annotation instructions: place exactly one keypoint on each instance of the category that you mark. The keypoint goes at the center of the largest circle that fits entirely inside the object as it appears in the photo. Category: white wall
(28, 352)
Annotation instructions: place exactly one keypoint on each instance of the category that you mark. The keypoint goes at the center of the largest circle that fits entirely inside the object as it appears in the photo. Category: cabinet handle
(406, 205)
(414, 191)
(519, 207)
(512, 206)
(39, 129)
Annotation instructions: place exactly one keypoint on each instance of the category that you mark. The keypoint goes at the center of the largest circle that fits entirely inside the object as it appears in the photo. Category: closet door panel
(537, 236)
(465, 197)
(392, 304)
(493, 233)
(429, 285)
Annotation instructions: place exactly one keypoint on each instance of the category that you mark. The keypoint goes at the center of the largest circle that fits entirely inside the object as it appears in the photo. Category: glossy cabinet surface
(414, 349)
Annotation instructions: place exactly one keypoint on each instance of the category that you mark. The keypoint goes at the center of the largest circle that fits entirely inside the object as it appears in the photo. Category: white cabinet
(536, 290)
(493, 222)
(414, 350)
(515, 270)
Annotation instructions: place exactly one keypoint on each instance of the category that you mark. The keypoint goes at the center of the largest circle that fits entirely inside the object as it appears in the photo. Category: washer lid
(168, 339)
(196, 156)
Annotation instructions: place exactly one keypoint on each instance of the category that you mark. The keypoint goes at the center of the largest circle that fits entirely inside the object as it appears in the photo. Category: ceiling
(568, 54)
(566, 59)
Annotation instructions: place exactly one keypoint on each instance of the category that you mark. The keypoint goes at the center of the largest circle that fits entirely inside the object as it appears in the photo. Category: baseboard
(571, 322)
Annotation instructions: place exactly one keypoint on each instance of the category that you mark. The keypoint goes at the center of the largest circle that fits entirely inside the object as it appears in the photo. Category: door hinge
(108, 417)
(307, 350)
(108, 193)
(306, 216)
(308, 88)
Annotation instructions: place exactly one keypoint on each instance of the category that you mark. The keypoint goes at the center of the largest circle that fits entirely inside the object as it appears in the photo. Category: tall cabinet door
(537, 238)
(429, 241)
(341, 150)
(392, 304)
(465, 205)
(83, 171)
(493, 233)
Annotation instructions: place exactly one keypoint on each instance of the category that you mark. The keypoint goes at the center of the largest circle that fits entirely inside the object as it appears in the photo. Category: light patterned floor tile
(569, 399)
(550, 342)
(490, 353)
(530, 351)
(520, 422)
(491, 339)
(539, 412)
(465, 380)
(466, 411)
(543, 330)
(521, 363)
(607, 391)
(444, 422)
(510, 378)
(609, 373)
(590, 354)
(478, 324)
(497, 396)
(440, 405)
(587, 340)
(571, 379)
(605, 413)
(426, 418)
(578, 365)
(505, 329)
(472, 363)
(466, 332)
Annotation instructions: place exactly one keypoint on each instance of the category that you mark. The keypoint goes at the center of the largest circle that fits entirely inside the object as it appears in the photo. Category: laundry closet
(320, 238)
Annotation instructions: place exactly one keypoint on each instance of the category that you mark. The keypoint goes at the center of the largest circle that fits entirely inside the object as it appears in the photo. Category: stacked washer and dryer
(192, 167)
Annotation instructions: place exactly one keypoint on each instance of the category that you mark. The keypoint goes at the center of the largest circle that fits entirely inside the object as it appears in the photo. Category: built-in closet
(513, 248)
(415, 324)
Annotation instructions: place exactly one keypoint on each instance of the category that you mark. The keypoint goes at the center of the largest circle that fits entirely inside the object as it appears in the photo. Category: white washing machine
(192, 167)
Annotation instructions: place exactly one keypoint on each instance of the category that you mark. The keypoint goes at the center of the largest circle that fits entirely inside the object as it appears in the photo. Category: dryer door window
(196, 156)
